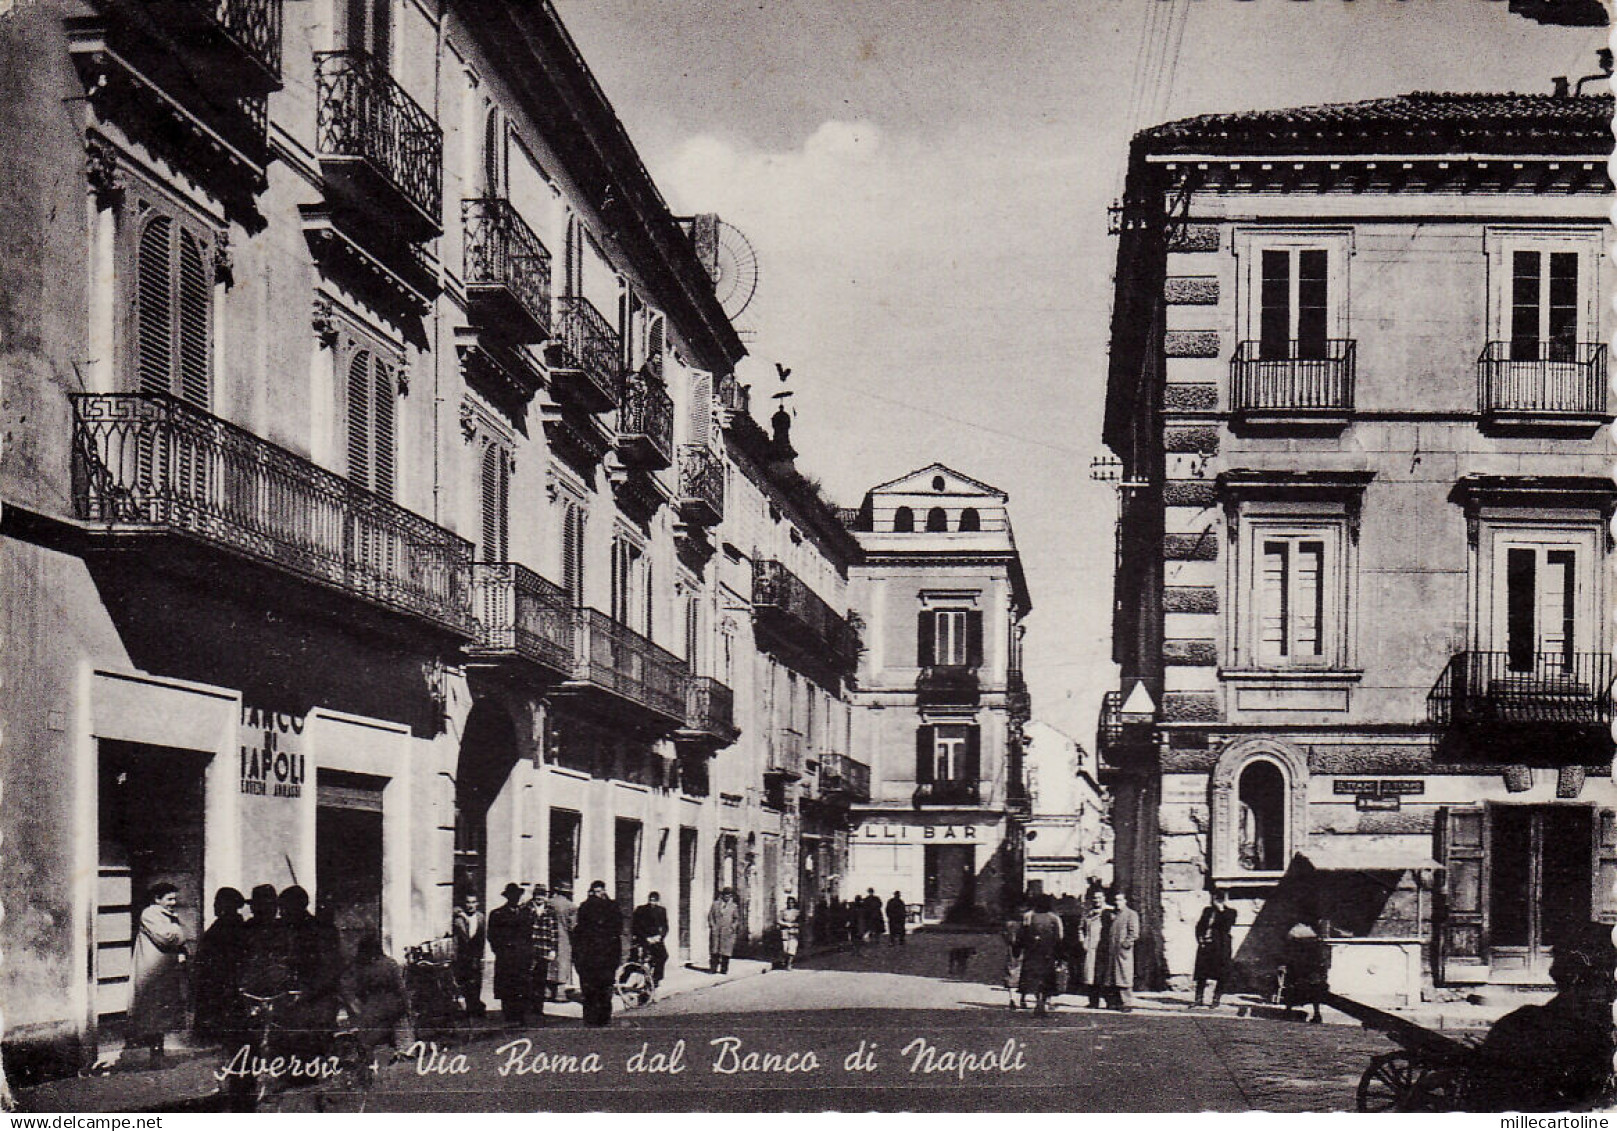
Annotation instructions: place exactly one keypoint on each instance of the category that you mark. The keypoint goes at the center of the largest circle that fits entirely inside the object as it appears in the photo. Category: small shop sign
(1378, 794)
(272, 753)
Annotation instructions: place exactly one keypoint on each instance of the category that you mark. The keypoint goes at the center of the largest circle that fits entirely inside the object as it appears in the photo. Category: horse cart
(1428, 1072)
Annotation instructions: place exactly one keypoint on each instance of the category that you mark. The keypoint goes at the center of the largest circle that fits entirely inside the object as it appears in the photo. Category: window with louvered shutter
(701, 416)
(371, 414)
(496, 485)
(925, 756)
(173, 309)
(572, 553)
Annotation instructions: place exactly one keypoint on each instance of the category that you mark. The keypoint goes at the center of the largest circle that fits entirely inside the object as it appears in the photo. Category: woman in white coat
(157, 995)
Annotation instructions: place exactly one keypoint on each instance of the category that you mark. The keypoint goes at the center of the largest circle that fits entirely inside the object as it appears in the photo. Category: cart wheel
(1396, 1081)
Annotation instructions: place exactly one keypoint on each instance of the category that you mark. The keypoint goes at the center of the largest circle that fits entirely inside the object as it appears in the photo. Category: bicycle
(634, 983)
(264, 1027)
(436, 1006)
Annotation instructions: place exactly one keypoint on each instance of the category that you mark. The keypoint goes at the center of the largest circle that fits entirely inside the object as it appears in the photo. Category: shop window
(970, 522)
(937, 521)
(903, 521)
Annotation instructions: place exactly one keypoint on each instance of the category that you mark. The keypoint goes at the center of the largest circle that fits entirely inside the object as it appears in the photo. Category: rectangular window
(1292, 600)
(1540, 606)
(949, 638)
(1294, 313)
(1543, 305)
(629, 575)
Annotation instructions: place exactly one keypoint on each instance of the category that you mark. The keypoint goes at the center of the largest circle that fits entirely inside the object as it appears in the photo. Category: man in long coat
(561, 968)
(597, 950)
(1121, 936)
(1093, 928)
(510, 937)
(545, 927)
(723, 927)
(1213, 947)
(470, 934)
(216, 972)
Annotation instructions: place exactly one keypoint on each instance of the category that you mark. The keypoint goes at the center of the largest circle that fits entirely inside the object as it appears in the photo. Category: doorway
(1540, 869)
(950, 879)
(348, 854)
(488, 751)
(625, 864)
(687, 886)
(566, 825)
(150, 831)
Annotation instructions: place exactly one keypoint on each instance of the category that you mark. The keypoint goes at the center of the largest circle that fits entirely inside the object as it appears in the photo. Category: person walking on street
(871, 913)
(853, 923)
(1213, 947)
(649, 928)
(1011, 931)
(723, 927)
(375, 996)
(216, 971)
(897, 920)
(470, 933)
(597, 949)
(510, 937)
(790, 924)
(561, 970)
(1121, 935)
(1041, 947)
(157, 980)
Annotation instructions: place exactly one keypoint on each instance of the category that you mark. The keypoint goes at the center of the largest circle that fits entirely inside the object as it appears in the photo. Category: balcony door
(1542, 612)
(368, 26)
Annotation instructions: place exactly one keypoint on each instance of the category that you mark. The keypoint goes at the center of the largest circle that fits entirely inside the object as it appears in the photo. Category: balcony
(619, 668)
(842, 777)
(1542, 384)
(507, 271)
(149, 465)
(701, 486)
(947, 686)
(799, 619)
(522, 617)
(1114, 737)
(709, 712)
(957, 791)
(585, 357)
(785, 754)
(238, 42)
(380, 152)
(1548, 708)
(1310, 382)
(645, 423)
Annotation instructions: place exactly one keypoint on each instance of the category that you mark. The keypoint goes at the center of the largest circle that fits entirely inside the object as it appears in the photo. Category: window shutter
(382, 450)
(359, 418)
(701, 408)
(1273, 627)
(1274, 314)
(1464, 925)
(194, 296)
(648, 606)
(924, 755)
(1311, 303)
(925, 638)
(974, 638)
(154, 311)
(971, 770)
(1310, 598)
(1606, 865)
(1524, 306)
(494, 504)
(572, 537)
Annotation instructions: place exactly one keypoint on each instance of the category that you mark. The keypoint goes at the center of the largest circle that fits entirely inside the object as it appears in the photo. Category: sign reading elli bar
(924, 834)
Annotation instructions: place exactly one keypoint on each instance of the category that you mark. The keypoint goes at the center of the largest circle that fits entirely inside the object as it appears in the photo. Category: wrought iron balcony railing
(587, 351)
(701, 486)
(785, 753)
(957, 791)
(645, 423)
(1307, 379)
(150, 463)
(521, 615)
(842, 776)
(782, 600)
(379, 144)
(507, 269)
(709, 710)
(613, 658)
(1542, 379)
(243, 35)
(947, 684)
(1555, 706)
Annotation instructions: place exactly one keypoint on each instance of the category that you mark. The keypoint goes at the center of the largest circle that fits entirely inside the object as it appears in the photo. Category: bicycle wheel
(634, 985)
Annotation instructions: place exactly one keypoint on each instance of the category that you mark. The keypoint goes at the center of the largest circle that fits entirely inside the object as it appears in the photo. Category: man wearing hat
(510, 937)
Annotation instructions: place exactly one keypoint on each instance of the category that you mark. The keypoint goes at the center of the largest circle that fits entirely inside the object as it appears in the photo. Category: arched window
(937, 521)
(970, 523)
(1261, 836)
(173, 300)
(903, 521)
(371, 451)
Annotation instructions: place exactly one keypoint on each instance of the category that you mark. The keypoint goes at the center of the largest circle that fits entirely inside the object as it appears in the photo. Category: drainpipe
(437, 315)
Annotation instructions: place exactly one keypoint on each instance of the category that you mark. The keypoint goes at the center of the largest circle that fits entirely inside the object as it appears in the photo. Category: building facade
(373, 518)
(1069, 832)
(941, 698)
(1358, 385)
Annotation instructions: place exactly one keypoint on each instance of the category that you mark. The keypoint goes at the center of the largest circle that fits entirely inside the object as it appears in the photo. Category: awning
(1369, 858)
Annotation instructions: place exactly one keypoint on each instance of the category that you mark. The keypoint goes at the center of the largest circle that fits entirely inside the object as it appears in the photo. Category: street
(886, 1029)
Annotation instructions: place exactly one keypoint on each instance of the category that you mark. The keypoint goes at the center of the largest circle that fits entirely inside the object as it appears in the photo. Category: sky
(925, 183)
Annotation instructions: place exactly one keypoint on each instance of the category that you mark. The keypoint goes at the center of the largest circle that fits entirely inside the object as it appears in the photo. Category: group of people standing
(538, 940)
(862, 919)
(279, 950)
(1092, 943)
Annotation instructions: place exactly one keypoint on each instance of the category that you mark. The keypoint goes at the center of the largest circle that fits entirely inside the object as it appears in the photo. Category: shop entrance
(625, 864)
(950, 879)
(1540, 880)
(348, 854)
(150, 831)
(687, 886)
